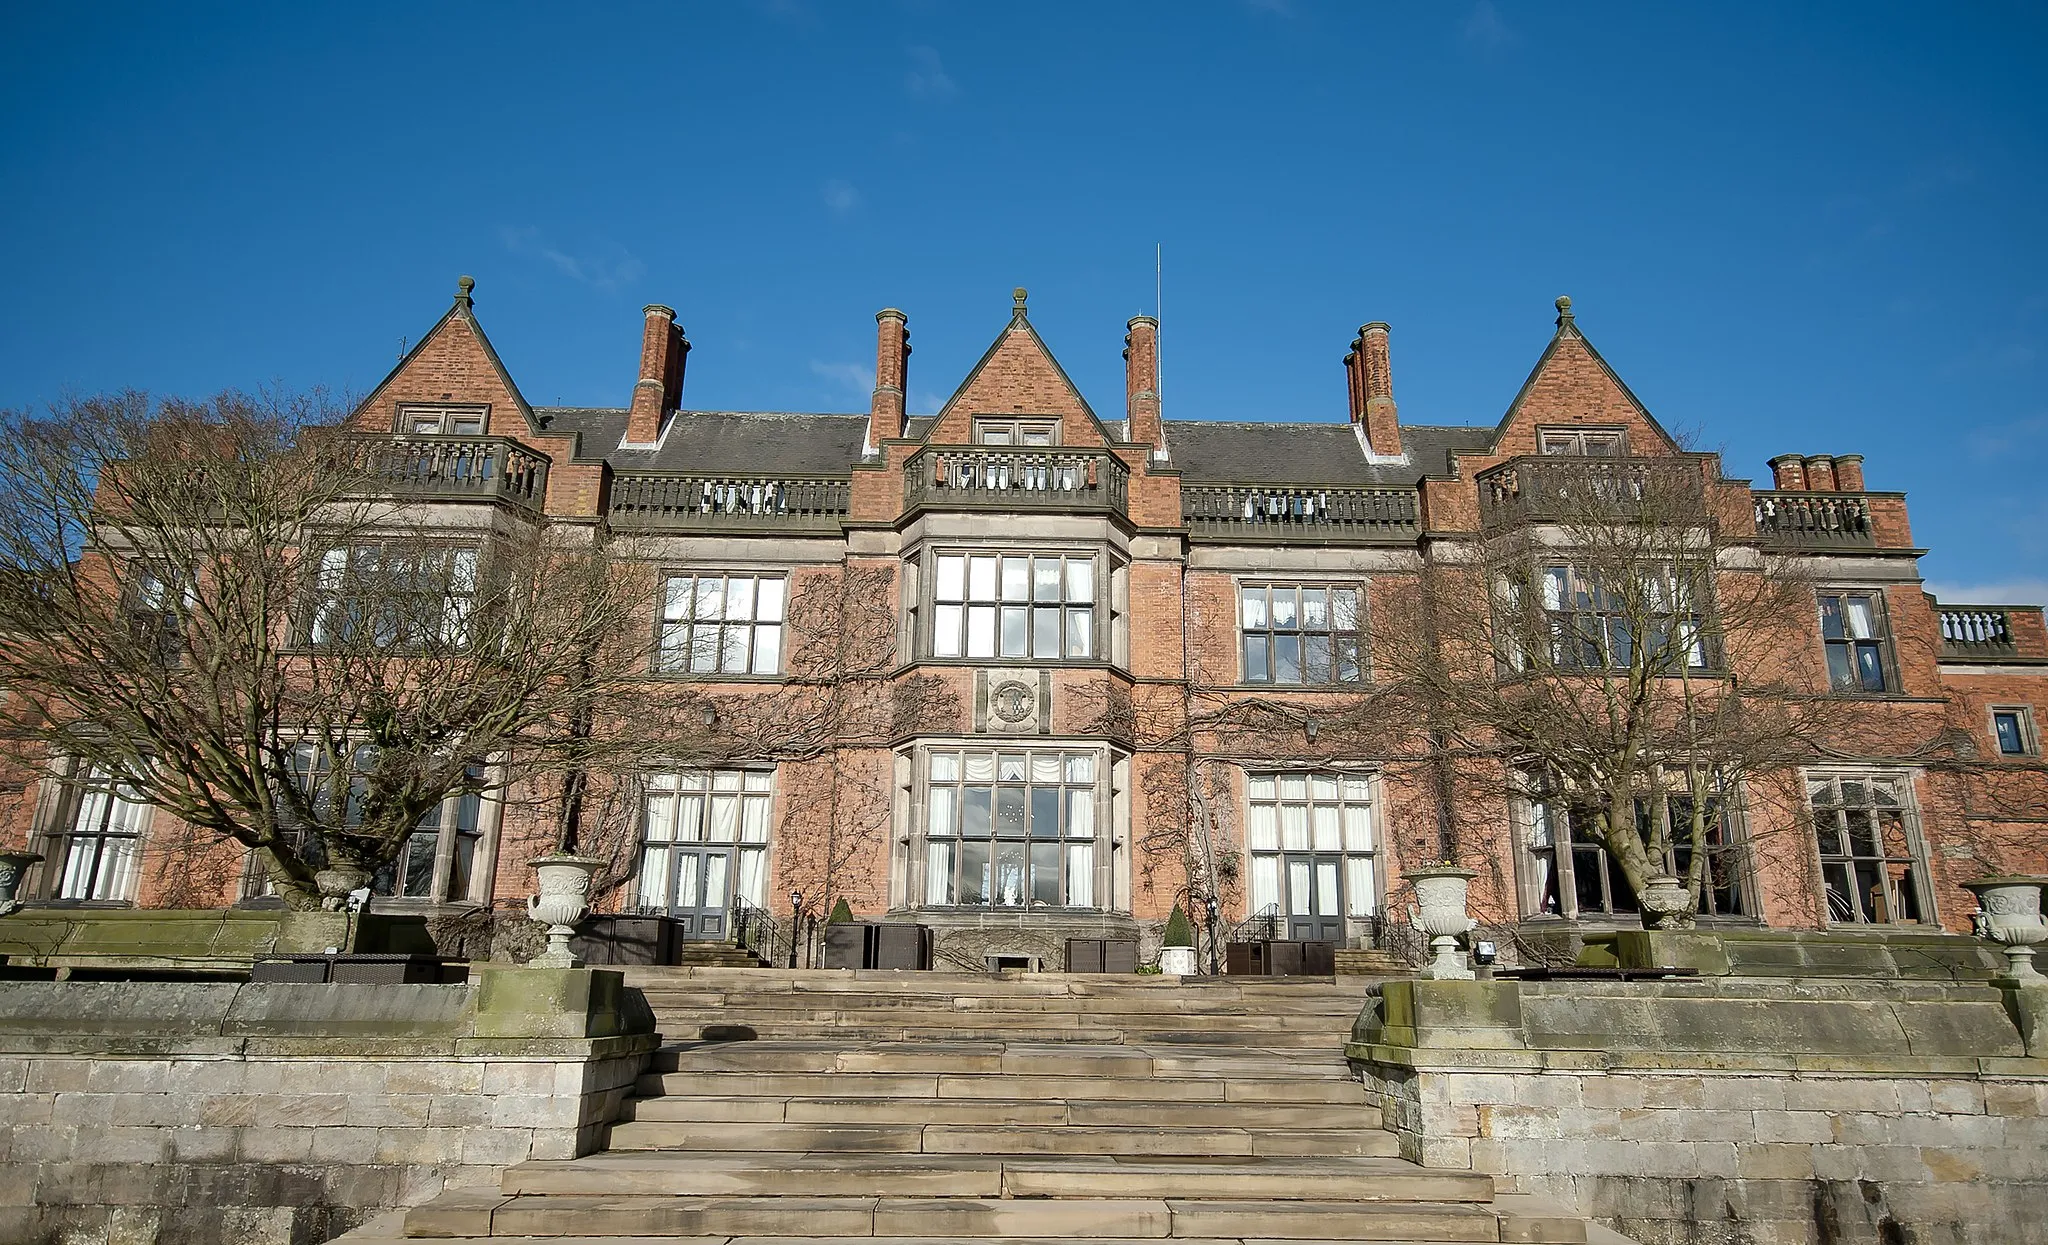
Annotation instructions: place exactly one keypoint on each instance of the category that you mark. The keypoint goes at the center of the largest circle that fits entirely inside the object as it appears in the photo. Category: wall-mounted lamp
(1310, 727)
(707, 711)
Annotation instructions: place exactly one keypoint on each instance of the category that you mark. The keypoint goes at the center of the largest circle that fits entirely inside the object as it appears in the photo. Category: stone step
(713, 1174)
(1045, 1113)
(1053, 1059)
(1154, 1004)
(737, 1027)
(545, 1215)
(1000, 1139)
(1019, 1087)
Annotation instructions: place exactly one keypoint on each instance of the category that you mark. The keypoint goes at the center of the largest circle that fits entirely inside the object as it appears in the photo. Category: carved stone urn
(563, 901)
(13, 868)
(1667, 903)
(2009, 913)
(1440, 896)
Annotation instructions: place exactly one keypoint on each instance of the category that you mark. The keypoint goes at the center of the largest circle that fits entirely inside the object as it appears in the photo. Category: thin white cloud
(924, 402)
(621, 268)
(856, 377)
(2020, 436)
(1485, 28)
(841, 197)
(928, 78)
(1994, 592)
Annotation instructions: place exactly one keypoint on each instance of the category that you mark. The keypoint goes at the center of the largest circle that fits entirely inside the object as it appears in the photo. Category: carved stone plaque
(1013, 702)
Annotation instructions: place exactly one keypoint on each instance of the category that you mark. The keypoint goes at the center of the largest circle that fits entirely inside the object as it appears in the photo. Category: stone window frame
(1880, 643)
(1111, 603)
(328, 585)
(1533, 885)
(1356, 633)
(763, 849)
(909, 879)
(1017, 427)
(1373, 855)
(66, 796)
(752, 625)
(2025, 731)
(1570, 618)
(1576, 435)
(1913, 861)
(446, 415)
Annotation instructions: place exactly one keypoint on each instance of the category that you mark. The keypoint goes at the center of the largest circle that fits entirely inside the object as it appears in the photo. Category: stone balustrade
(1818, 520)
(1975, 631)
(1278, 512)
(708, 501)
(457, 468)
(1560, 489)
(985, 478)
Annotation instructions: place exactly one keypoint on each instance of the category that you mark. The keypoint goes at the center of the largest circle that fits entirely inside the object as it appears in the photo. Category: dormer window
(1016, 432)
(1582, 442)
(435, 421)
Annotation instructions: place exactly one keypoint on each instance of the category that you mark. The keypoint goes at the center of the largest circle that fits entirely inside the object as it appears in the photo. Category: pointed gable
(1572, 386)
(454, 364)
(1017, 377)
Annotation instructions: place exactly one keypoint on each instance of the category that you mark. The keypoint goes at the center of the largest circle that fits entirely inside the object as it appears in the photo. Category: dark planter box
(1102, 955)
(875, 944)
(609, 939)
(1280, 957)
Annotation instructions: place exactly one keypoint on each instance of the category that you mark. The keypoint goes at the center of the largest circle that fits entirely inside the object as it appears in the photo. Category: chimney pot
(1849, 472)
(1820, 473)
(892, 375)
(659, 390)
(1141, 384)
(1375, 384)
(1788, 473)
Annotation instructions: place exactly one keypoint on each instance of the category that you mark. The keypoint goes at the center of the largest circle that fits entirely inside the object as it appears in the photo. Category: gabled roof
(1020, 322)
(1568, 332)
(461, 310)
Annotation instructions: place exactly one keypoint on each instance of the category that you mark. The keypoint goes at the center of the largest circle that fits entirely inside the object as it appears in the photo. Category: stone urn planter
(564, 900)
(1667, 903)
(2010, 915)
(13, 869)
(1177, 961)
(1440, 900)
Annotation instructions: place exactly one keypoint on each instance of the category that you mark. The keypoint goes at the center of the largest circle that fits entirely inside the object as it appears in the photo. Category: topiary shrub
(841, 914)
(1179, 932)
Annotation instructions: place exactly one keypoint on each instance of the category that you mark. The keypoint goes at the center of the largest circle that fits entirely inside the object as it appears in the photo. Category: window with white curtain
(714, 623)
(1013, 605)
(1012, 828)
(1306, 830)
(691, 811)
(102, 849)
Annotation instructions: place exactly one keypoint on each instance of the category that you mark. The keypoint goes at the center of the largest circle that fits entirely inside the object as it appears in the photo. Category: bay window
(1013, 828)
(1013, 606)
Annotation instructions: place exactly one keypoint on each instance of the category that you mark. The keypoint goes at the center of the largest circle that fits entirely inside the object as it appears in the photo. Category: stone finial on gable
(463, 286)
(1018, 296)
(1564, 310)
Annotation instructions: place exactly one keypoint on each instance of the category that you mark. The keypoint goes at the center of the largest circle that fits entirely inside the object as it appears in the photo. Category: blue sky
(1791, 228)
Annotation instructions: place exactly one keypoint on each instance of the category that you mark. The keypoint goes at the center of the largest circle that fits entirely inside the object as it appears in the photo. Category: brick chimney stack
(659, 391)
(1788, 473)
(1849, 472)
(892, 376)
(1141, 384)
(1820, 473)
(1373, 392)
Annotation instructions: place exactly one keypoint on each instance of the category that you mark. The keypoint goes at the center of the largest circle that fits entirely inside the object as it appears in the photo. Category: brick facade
(1173, 524)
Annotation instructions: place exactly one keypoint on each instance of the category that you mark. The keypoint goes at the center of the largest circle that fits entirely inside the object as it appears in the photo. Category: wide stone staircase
(796, 1108)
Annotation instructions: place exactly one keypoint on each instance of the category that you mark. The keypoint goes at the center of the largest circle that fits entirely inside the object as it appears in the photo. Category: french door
(1314, 903)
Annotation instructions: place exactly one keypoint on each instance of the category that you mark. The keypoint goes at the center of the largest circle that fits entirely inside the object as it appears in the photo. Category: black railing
(1261, 926)
(777, 503)
(1278, 512)
(1555, 489)
(1815, 519)
(1975, 631)
(457, 468)
(982, 478)
(756, 931)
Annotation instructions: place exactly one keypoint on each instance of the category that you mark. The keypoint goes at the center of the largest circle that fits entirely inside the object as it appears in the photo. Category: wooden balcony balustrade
(1279, 512)
(1814, 520)
(664, 500)
(451, 468)
(977, 477)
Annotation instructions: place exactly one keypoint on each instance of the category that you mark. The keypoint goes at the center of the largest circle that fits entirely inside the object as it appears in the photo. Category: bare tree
(1611, 643)
(209, 604)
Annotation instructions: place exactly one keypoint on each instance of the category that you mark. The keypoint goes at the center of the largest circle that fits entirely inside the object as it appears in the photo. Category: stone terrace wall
(1727, 1113)
(218, 1111)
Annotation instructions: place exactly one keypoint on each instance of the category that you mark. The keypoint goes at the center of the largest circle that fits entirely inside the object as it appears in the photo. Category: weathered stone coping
(195, 939)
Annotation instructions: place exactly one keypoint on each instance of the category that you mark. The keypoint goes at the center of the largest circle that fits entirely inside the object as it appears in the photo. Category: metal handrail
(1260, 926)
(753, 929)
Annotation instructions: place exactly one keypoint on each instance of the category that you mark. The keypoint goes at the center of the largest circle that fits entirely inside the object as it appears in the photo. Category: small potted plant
(1177, 950)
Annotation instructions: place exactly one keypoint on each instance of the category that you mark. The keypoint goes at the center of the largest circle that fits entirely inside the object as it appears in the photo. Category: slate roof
(808, 443)
(1318, 453)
